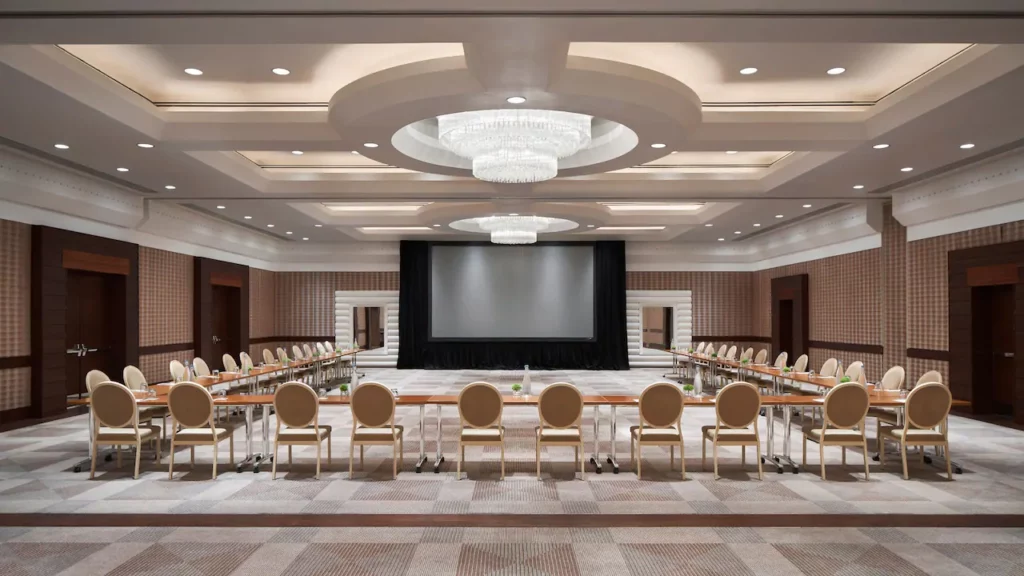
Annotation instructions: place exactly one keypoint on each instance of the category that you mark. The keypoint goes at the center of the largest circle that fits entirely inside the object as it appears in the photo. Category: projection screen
(489, 292)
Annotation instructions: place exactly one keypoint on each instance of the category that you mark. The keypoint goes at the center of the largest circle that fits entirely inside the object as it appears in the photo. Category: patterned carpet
(36, 470)
(479, 551)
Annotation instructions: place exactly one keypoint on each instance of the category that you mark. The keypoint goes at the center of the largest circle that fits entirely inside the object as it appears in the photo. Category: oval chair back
(191, 405)
(801, 364)
(721, 350)
(134, 379)
(560, 405)
(930, 376)
(281, 355)
(373, 405)
(93, 378)
(177, 371)
(781, 359)
(737, 405)
(297, 352)
(661, 406)
(747, 354)
(855, 371)
(893, 378)
(229, 363)
(480, 405)
(731, 354)
(762, 357)
(268, 357)
(320, 348)
(201, 368)
(297, 406)
(928, 405)
(829, 367)
(246, 361)
(307, 351)
(329, 346)
(114, 406)
(699, 349)
(846, 405)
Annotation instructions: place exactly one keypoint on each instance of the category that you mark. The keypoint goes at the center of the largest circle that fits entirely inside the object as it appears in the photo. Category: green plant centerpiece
(690, 350)
(844, 379)
(517, 389)
(745, 361)
(714, 354)
(689, 389)
(343, 389)
(787, 370)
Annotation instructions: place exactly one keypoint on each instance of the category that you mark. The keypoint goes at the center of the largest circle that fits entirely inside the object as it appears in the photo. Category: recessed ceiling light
(221, 207)
(281, 71)
(858, 187)
(967, 146)
(756, 225)
(590, 225)
(370, 144)
(708, 225)
(779, 216)
(836, 71)
(383, 207)
(193, 71)
(305, 238)
(630, 228)
(657, 145)
(513, 214)
(61, 146)
(356, 152)
(437, 225)
(298, 152)
(515, 99)
(880, 146)
(907, 169)
(170, 187)
(289, 232)
(730, 152)
(642, 206)
(721, 239)
(318, 225)
(144, 145)
(748, 71)
(807, 205)
(270, 225)
(737, 232)
(248, 217)
(122, 169)
(395, 228)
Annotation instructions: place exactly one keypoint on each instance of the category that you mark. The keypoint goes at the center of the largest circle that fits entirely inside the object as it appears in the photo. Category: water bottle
(355, 344)
(839, 369)
(526, 380)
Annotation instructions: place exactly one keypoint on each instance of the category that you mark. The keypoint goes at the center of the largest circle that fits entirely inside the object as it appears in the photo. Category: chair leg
(632, 455)
(714, 457)
(743, 455)
(949, 461)
(903, 454)
(805, 452)
(273, 467)
(351, 457)
(867, 471)
(538, 456)
(214, 459)
(138, 458)
(401, 451)
(361, 456)
(682, 458)
(458, 461)
(394, 461)
(583, 461)
(231, 450)
(118, 450)
(170, 466)
(844, 456)
(502, 458)
(192, 455)
(672, 457)
(328, 450)
(92, 465)
(760, 467)
(881, 450)
(317, 460)
(920, 450)
(639, 457)
(821, 456)
(290, 457)
(703, 452)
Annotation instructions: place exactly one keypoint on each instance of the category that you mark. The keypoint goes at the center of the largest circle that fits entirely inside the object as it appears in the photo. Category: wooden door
(94, 325)
(993, 346)
(786, 330)
(226, 327)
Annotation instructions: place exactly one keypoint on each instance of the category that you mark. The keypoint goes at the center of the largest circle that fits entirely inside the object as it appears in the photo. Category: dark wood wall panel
(49, 303)
(795, 288)
(208, 273)
(88, 262)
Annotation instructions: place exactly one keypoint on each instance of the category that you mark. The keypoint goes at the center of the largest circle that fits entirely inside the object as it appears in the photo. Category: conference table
(614, 402)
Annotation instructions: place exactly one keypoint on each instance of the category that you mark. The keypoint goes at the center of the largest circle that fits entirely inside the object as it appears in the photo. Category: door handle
(77, 350)
(216, 339)
(1007, 354)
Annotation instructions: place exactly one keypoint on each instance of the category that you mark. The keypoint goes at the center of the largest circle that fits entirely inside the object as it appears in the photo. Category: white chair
(229, 363)
(246, 362)
(480, 408)
(191, 406)
(924, 424)
(135, 380)
(661, 415)
(560, 406)
(761, 358)
(93, 378)
(855, 371)
(116, 423)
(200, 367)
(736, 409)
(268, 357)
(842, 424)
(177, 371)
(373, 415)
(298, 422)
(801, 364)
(930, 376)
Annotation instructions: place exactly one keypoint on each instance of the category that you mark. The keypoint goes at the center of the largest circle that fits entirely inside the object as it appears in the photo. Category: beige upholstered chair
(930, 376)
(560, 407)
(731, 354)
(329, 346)
(699, 349)
(200, 367)
(829, 367)
(306, 351)
(268, 357)
(747, 354)
(177, 371)
(924, 419)
(480, 408)
(721, 350)
(282, 355)
(781, 359)
(801, 364)
(855, 371)
(93, 378)
(736, 410)
(135, 380)
(373, 415)
(320, 348)
(846, 406)
(892, 381)
(116, 423)
(229, 363)
(246, 362)
(298, 422)
(661, 415)
(766, 381)
(191, 406)
(761, 358)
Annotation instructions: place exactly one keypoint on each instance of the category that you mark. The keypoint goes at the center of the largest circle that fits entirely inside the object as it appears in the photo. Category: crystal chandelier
(514, 146)
(514, 229)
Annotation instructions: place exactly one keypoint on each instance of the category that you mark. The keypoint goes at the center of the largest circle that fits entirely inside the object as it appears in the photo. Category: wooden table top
(768, 370)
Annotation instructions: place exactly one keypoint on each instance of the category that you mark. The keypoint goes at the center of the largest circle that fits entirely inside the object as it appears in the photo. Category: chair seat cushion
(560, 434)
(303, 434)
(364, 434)
(729, 434)
(883, 414)
(126, 435)
(914, 435)
(655, 434)
(482, 434)
(837, 434)
(203, 434)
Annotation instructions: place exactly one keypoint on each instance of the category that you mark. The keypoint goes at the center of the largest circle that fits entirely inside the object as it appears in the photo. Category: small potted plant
(517, 389)
(786, 370)
(343, 389)
(688, 388)
(714, 354)
(745, 361)
(844, 379)
(690, 350)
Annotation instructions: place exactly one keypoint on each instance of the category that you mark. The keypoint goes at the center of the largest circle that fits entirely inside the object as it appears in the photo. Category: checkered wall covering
(721, 300)
(305, 300)
(156, 367)
(262, 300)
(894, 285)
(15, 308)
(15, 388)
(165, 297)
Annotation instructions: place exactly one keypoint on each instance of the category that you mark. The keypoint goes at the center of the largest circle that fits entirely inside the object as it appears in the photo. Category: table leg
(613, 426)
(250, 458)
(88, 461)
(595, 458)
(265, 455)
(786, 458)
(769, 456)
(439, 456)
(423, 447)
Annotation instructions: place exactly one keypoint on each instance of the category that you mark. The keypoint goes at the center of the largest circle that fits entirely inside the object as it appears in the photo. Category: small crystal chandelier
(515, 229)
(514, 146)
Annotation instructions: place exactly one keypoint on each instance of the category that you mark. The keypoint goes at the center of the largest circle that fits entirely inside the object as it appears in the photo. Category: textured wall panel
(305, 300)
(721, 300)
(262, 302)
(15, 288)
(165, 297)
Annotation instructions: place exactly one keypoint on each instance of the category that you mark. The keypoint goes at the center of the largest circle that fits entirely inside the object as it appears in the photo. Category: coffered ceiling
(304, 119)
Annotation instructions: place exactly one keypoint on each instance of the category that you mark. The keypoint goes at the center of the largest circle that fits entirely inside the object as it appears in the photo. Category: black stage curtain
(606, 352)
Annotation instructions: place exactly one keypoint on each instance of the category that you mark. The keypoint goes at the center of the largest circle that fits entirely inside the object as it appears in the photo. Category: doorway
(94, 319)
(993, 344)
(226, 324)
(786, 329)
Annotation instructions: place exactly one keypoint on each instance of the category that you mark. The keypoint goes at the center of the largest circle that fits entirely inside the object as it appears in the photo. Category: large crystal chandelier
(515, 229)
(514, 146)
